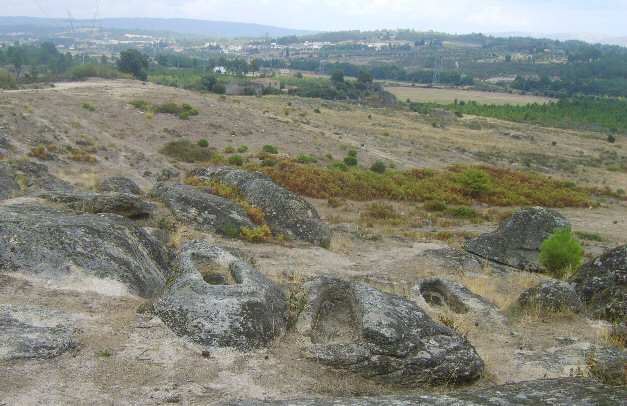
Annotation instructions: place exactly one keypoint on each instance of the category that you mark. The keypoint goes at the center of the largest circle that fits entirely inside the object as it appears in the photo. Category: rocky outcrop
(124, 204)
(551, 296)
(203, 210)
(557, 392)
(119, 184)
(517, 241)
(284, 212)
(602, 285)
(62, 247)
(34, 332)
(34, 176)
(355, 326)
(217, 300)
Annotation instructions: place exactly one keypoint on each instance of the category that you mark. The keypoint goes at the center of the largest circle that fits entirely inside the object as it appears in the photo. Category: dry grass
(445, 96)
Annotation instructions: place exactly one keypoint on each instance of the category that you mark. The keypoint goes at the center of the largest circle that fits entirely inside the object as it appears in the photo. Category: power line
(42, 9)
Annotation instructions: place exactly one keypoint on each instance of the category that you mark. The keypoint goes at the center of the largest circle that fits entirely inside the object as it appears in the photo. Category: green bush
(236, 160)
(229, 150)
(464, 213)
(475, 182)
(352, 152)
(306, 159)
(378, 167)
(271, 149)
(339, 165)
(89, 107)
(242, 148)
(268, 162)
(561, 252)
(436, 205)
(350, 161)
(203, 143)
(187, 151)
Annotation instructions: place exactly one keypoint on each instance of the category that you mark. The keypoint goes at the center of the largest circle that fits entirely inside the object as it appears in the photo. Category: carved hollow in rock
(436, 293)
(212, 273)
(335, 319)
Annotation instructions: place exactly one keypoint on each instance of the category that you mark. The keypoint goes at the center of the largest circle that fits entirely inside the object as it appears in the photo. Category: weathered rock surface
(34, 175)
(124, 204)
(217, 300)
(285, 212)
(602, 285)
(380, 336)
(8, 187)
(63, 246)
(33, 332)
(517, 242)
(119, 184)
(203, 210)
(453, 295)
(558, 391)
(608, 364)
(551, 296)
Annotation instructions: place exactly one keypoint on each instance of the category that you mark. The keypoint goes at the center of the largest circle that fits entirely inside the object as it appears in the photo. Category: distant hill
(216, 29)
(590, 38)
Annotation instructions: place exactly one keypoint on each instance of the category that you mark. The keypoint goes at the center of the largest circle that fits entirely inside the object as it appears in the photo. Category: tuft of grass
(242, 148)
(203, 143)
(236, 160)
(306, 159)
(40, 152)
(380, 211)
(350, 160)
(89, 106)
(229, 150)
(583, 235)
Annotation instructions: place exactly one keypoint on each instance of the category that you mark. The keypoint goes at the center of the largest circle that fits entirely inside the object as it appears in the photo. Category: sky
(605, 17)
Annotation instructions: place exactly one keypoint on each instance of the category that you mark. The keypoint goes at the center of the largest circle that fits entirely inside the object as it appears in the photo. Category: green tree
(17, 57)
(337, 76)
(561, 252)
(134, 62)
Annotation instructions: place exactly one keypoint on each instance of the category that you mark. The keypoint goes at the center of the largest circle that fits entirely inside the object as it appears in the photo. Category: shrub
(257, 234)
(219, 88)
(267, 162)
(306, 159)
(350, 161)
(436, 205)
(465, 213)
(340, 166)
(203, 143)
(474, 181)
(352, 152)
(89, 107)
(40, 152)
(611, 138)
(381, 211)
(236, 160)
(242, 148)
(378, 167)
(186, 151)
(561, 252)
(230, 230)
(271, 149)
(229, 150)
(7, 81)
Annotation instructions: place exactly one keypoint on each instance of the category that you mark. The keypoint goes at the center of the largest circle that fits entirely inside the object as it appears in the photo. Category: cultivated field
(446, 95)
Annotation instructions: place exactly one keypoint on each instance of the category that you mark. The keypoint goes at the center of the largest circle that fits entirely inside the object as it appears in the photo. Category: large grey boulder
(119, 184)
(380, 336)
(556, 392)
(602, 285)
(217, 300)
(34, 332)
(63, 246)
(124, 204)
(285, 212)
(551, 296)
(203, 210)
(517, 241)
